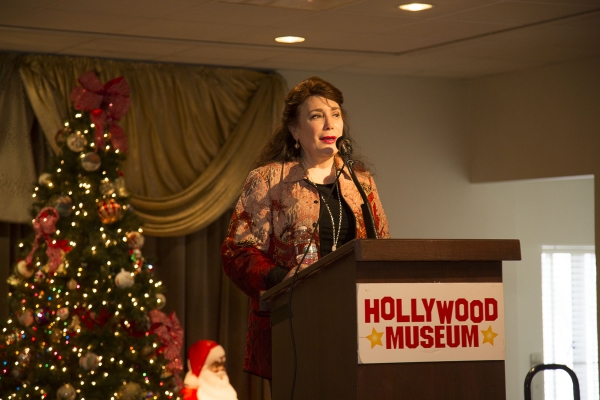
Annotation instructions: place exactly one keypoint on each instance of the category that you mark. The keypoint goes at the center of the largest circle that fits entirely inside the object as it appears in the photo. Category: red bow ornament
(170, 334)
(106, 104)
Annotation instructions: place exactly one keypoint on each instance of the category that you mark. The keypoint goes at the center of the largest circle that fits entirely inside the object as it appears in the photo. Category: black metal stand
(541, 367)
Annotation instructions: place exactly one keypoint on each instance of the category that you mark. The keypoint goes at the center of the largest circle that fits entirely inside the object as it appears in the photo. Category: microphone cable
(294, 277)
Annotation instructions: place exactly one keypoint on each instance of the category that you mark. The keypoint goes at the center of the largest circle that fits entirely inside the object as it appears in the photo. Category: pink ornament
(89, 361)
(62, 313)
(39, 276)
(135, 240)
(25, 317)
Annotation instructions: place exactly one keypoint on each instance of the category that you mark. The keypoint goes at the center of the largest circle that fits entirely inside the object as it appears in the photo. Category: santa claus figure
(206, 378)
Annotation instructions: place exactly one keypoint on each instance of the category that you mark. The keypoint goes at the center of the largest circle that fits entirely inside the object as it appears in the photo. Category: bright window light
(569, 320)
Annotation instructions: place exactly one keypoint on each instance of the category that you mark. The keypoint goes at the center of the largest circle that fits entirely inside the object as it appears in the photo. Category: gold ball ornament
(130, 391)
(109, 211)
(72, 284)
(161, 301)
(24, 357)
(76, 142)
(66, 392)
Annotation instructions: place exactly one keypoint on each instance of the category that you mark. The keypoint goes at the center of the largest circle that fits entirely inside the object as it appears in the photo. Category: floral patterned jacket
(275, 201)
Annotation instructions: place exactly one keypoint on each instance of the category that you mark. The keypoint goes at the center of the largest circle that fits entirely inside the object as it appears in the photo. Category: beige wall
(439, 179)
(540, 123)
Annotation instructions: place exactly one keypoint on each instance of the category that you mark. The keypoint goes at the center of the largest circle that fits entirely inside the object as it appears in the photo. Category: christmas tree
(84, 302)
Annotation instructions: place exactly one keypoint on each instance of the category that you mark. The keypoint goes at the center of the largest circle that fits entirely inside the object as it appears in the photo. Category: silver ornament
(63, 205)
(107, 188)
(120, 187)
(76, 142)
(91, 161)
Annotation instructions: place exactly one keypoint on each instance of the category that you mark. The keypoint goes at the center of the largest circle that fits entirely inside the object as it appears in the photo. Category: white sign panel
(427, 322)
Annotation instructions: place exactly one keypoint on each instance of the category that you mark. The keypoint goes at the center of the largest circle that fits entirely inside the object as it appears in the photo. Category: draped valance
(193, 131)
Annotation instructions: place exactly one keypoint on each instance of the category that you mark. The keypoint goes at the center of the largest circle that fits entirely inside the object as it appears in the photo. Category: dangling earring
(297, 145)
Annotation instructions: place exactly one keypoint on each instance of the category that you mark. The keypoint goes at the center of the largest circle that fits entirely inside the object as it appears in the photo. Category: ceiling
(456, 38)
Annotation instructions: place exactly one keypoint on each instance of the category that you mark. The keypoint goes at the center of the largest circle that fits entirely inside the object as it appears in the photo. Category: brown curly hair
(280, 146)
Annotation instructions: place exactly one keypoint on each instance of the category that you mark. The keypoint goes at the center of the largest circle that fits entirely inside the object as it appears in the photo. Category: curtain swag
(193, 132)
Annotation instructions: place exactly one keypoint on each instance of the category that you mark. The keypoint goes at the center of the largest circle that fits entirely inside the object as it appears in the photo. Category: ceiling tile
(73, 21)
(332, 21)
(297, 4)
(37, 41)
(131, 8)
(151, 49)
(447, 30)
(309, 60)
(185, 30)
(512, 12)
(237, 14)
(221, 55)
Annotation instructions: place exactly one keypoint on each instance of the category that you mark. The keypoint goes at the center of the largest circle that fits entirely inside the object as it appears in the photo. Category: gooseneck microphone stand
(344, 146)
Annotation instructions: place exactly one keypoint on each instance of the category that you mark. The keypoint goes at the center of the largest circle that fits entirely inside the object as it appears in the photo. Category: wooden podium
(324, 321)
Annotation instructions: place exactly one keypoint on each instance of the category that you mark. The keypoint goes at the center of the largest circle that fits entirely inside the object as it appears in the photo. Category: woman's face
(320, 123)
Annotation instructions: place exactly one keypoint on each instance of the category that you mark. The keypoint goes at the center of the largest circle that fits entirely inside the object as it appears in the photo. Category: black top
(348, 231)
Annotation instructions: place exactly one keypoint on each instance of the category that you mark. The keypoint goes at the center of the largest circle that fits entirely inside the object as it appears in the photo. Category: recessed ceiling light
(289, 39)
(415, 7)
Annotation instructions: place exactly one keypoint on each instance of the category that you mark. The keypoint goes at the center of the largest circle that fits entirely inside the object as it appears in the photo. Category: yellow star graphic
(375, 338)
(489, 335)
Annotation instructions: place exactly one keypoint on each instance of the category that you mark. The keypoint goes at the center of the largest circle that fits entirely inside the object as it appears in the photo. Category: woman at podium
(298, 177)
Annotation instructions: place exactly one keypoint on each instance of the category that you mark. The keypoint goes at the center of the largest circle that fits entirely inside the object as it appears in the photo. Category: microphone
(344, 146)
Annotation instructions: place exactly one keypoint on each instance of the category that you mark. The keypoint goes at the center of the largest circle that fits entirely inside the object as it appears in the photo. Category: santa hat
(204, 352)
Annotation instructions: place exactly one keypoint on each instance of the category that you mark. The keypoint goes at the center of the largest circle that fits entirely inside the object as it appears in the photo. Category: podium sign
(325, 313)
(430, 322)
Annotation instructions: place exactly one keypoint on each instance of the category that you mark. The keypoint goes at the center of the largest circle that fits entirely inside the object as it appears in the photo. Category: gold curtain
(193, 132)
(17, 170)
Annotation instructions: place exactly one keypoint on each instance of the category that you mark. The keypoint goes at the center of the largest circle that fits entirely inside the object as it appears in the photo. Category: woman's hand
(293, 271)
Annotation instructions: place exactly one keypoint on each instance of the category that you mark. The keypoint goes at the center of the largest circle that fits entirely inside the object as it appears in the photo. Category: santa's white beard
(215, 386)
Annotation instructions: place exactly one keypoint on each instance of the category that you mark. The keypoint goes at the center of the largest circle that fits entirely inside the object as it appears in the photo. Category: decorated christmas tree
(84, 303)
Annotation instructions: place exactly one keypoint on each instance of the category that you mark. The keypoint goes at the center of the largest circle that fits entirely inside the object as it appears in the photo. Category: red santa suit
(206, 378)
